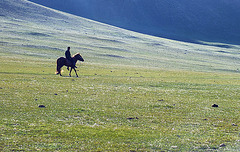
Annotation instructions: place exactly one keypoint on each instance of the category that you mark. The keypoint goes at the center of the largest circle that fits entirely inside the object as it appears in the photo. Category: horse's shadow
(65, 76)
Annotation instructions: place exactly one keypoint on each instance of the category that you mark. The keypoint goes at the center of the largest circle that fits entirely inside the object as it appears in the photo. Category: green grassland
(134, 92)
(116, 108)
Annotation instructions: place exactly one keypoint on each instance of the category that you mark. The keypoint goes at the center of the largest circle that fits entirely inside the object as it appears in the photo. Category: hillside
(32, 30)
(204, 20)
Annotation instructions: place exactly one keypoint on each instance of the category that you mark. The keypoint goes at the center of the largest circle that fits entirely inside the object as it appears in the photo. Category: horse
(62, 61)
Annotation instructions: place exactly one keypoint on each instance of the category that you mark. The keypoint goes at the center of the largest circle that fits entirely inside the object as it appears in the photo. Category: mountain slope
(215, 20)
(29, 29)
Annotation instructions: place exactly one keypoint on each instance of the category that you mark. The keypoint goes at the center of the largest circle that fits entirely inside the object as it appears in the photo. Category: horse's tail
(58, 70)
(59, 66)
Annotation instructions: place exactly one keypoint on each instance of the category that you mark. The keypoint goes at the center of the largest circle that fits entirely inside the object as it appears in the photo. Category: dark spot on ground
(38, 34)
(215, 105)
(42, 106)
(130, 118)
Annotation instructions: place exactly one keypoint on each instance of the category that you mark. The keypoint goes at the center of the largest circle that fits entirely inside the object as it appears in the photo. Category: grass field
(116, 108)
(134, 92)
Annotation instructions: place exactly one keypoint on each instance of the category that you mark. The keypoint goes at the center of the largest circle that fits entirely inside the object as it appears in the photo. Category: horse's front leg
(70, 72)
(75, 71)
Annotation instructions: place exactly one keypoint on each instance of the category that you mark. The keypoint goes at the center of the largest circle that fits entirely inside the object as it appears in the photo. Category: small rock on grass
(174, 147)
(42, 106)
(215, 105)
(222, 145)
(130, 118)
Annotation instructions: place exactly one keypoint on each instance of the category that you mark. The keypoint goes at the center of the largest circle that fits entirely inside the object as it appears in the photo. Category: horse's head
(79, 57)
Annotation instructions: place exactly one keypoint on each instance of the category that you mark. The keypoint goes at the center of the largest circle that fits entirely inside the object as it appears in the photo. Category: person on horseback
(69, 57)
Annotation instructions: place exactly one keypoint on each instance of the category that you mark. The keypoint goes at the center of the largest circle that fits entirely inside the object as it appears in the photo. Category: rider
(68, 56)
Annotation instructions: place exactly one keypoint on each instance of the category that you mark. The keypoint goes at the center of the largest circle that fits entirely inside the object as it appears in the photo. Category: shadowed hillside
(214, 21)
(30, 29)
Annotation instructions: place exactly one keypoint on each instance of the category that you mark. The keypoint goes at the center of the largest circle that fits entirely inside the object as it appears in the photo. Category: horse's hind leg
(70, 72)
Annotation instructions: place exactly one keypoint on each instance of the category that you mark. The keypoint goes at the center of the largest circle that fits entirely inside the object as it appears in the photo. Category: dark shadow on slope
(189, 21)
(113, 56)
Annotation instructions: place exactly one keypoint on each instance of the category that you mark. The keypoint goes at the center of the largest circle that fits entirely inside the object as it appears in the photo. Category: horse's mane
(76, 54)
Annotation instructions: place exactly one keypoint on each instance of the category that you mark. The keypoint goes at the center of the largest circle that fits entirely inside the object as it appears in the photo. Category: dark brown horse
(63, 61)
